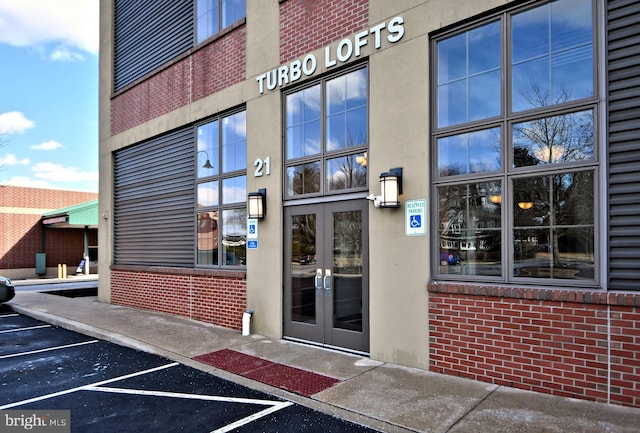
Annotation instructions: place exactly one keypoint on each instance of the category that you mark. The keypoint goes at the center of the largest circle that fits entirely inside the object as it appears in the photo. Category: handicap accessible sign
(415, 217)
(252, 233)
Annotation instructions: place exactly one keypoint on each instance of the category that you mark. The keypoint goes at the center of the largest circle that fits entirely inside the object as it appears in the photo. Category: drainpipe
(246, 321)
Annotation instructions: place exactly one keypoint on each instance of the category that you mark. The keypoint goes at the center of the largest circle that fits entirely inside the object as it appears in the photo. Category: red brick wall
(220, 64)
(40, 198)
(21, 240)
(20, 212)
(306, 25)
(66, 246)
(574, 343)
(207, 70)
(189, 293)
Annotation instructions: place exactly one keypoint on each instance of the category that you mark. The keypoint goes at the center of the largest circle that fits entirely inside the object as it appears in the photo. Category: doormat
(281, 376)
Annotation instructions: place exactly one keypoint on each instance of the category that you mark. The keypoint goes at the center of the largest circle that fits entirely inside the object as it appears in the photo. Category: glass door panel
(326, 274)
(302, 268)
(347, 270)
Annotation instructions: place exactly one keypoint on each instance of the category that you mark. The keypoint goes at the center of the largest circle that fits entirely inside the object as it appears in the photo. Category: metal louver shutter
(623, 67)
(154, 202)
(148, 34)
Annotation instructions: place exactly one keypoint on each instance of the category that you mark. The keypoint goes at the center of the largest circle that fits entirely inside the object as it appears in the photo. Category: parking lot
(110, 388)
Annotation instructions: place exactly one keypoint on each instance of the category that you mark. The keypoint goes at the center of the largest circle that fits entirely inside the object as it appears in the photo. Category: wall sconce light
(257, 204)
(207, 163)
(390, 189)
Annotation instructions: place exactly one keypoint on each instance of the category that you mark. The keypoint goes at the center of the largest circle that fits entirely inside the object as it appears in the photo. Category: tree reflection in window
(530, 169)
(470, 227)
(327, 136)
(554, 140)
(554, 231)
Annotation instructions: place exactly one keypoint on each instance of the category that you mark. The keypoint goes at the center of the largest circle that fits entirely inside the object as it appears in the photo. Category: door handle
(318, 279)
(327, 279)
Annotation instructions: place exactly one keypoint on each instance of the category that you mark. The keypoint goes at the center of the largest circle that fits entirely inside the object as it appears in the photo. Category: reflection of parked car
(309, 258)
(7, 291)
(447, 258)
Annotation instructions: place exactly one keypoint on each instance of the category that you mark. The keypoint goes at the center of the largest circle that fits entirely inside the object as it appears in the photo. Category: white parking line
(24, 329)
(255, 416)
(274, 406)
(2, 316)
(80, 388)
(48, 349)
(181, 395)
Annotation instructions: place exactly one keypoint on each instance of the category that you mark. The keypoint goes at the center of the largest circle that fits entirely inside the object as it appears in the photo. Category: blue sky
(49, 94)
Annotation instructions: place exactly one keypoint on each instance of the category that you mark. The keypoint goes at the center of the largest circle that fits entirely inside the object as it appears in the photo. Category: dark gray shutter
(154, 201)
(623, 67)
(148, 34)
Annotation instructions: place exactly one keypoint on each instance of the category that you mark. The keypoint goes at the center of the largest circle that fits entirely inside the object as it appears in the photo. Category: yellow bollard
(59, 270)
(64, 271)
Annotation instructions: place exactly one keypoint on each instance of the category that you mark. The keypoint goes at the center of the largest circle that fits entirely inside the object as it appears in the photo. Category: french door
(326, 283)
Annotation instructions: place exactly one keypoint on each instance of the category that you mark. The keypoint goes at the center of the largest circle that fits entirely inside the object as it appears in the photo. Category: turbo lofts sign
(347, 48)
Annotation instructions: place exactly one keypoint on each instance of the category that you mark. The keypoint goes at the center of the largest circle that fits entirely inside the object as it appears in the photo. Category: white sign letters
(346, 49)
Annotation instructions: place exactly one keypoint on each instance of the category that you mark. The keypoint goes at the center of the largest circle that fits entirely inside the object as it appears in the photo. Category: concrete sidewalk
(382, 396)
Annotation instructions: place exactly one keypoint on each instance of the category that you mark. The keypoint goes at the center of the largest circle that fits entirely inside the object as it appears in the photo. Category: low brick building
(24, 235)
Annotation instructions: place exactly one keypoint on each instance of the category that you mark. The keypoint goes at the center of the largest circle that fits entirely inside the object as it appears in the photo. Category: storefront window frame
(219, 204)
(508, 172)
(323, 157)
(222, 19)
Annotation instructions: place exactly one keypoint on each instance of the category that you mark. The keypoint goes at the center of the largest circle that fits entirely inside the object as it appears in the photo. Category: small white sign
(415, 217)
(252, 228)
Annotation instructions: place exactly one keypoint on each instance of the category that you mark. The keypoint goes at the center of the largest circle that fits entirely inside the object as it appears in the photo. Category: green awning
(76, 216)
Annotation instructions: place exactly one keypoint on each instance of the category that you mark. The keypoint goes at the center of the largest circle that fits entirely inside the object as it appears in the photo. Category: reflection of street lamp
(207, 163)
(524, 200)
(362, 159)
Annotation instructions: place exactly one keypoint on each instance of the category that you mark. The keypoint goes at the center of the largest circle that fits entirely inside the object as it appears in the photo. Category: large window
(515, 152)
(327, 136)
(221, 191)
(215, 15)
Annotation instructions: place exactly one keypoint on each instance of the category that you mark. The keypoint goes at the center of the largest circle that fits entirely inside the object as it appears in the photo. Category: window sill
(197, 272)
(578, 295)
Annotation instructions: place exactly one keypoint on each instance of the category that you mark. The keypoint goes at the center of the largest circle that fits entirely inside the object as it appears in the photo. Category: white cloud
(14, 122)
(58, 173)
(69, 23)
(47, 145)
(65, 54)
(11, 159)
(26, 182)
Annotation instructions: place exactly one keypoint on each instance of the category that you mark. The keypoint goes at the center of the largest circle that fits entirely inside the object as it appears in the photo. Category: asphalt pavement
(95, 386)
(382, 396)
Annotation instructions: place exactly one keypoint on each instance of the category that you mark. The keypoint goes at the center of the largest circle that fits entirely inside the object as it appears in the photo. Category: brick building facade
(512, 259)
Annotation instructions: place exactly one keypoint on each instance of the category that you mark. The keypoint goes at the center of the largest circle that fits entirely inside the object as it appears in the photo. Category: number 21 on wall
(263, 166)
